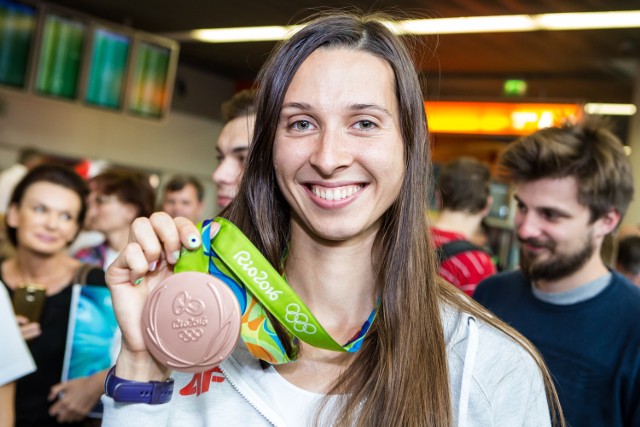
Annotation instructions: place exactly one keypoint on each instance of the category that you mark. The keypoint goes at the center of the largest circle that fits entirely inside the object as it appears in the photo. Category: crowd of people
(325, 168)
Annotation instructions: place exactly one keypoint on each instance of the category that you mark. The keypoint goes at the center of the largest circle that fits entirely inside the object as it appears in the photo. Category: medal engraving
(191, 322)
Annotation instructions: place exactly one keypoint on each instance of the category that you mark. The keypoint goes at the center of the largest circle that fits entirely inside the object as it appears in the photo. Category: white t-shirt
(297, 406)
(15, 358)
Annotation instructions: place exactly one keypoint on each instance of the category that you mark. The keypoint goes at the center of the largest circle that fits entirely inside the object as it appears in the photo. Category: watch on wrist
(126, 391)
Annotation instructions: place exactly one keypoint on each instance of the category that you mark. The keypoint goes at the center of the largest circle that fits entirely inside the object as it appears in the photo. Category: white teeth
(339, 193)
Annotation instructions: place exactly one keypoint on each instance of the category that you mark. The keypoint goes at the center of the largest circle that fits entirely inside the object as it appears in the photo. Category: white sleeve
(506, 386)
(134, 414)
(15, 358)
(519, 397)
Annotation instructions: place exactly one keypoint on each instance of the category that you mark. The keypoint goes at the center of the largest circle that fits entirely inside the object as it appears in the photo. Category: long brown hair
(399, 376)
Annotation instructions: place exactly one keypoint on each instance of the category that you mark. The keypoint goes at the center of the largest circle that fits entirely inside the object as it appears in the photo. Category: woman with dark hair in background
(334, 192)
(117, 197)
(45, 212)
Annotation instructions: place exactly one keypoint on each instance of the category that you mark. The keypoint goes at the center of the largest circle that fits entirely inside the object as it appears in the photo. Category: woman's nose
(53, 220)
(331, 151)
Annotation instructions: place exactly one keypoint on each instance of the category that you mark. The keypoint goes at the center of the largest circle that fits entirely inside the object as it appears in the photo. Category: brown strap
(82, 273)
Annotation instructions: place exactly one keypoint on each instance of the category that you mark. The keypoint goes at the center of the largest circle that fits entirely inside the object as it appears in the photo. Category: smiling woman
(334, 194)
(339, 153)
(44, 216)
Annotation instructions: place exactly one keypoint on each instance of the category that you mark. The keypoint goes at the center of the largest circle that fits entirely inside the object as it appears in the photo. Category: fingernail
(175, 256)
(153, 265)
(193, 241)
(137, 282)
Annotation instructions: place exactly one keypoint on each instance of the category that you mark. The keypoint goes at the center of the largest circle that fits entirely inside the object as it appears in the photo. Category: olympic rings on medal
(300, 321)
(187, 335)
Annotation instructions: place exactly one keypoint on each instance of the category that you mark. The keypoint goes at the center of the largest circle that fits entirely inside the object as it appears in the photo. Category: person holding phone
(45, 212)
(334, 195)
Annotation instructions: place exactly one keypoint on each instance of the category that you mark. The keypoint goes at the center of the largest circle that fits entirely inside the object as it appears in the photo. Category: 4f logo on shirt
(200, 382)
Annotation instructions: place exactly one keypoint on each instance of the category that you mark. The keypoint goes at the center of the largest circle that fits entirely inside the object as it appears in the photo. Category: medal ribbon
(259, 288)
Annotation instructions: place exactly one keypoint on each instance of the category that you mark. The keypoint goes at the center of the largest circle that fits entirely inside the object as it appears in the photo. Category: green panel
(149, 90)
(60, 57)
(108, 69)
(17, 26)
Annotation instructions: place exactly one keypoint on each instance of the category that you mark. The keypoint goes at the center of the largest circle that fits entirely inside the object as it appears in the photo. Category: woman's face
(46, 220)
(338, 150)
(107, 214)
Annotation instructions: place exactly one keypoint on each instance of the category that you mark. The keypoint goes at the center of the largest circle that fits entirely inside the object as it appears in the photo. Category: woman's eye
(302, 125)
(39, 209)
(65, 217)
(365, 124)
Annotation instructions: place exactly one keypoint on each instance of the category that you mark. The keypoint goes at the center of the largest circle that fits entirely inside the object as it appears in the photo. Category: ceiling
(594, 66)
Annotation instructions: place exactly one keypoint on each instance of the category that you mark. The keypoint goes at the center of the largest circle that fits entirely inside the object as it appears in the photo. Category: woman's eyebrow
(297, 105)
(380, 108)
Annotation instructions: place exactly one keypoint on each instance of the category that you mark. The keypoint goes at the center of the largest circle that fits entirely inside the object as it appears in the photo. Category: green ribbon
(231, 257)
(272, 291)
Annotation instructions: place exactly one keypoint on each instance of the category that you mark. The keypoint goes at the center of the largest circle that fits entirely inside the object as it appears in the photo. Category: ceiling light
(517, 23)
(610, 109)
(471, 24)
(474, 24)
(588, 20)
(243, 34)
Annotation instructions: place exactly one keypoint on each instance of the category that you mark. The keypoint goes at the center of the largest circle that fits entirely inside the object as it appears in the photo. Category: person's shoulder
(628, 293)
(500, 283)
(483, 258)
(626, 286)
(501, 364)
(441, 236)
(459, 325)
(507, 371)
(506, 277)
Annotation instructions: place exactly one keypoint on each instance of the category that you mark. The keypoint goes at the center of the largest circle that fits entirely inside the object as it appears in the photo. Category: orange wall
(449, 147)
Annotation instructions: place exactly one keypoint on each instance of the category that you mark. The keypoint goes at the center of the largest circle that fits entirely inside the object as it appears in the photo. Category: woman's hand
(153, 249)
(76, 397)
(29, 330)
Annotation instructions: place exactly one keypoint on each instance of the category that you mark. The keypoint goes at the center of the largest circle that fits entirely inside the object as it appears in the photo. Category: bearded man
(573, 185)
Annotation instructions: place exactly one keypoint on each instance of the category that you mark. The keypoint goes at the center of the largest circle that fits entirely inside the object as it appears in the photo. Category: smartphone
(28, 301)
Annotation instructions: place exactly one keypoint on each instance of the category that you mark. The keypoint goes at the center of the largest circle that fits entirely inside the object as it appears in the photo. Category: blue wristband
(151, 393)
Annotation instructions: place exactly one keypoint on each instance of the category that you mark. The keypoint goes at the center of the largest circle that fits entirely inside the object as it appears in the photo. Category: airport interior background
(131, 83)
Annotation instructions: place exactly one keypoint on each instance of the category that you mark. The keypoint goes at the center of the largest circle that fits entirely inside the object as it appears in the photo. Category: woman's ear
(13, 215)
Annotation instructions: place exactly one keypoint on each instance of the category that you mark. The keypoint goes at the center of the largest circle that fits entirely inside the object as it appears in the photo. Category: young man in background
(573, 186)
